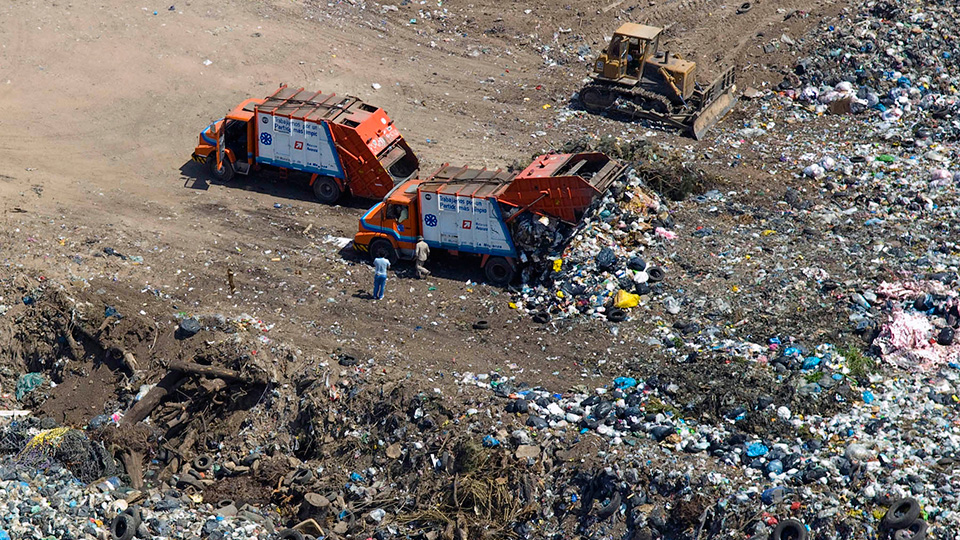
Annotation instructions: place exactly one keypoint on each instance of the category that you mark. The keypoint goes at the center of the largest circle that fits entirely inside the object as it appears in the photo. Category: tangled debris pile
(599, 268)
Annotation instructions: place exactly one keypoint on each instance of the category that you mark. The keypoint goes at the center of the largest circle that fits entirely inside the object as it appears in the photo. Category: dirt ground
(101, 105)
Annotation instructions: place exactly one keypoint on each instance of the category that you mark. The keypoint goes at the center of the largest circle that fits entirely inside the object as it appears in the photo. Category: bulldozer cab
(630, 48)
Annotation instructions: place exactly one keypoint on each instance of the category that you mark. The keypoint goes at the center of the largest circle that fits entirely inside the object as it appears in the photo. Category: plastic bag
(606, 259)
(625, 300)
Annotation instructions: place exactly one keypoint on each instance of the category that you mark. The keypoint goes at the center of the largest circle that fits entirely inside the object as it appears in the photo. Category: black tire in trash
(290, 534)
(744, 7)
(202, 462)
(541, 317)
(225, 503)
(481, 325)
(655, 274)
(382, 247)
(124, 527)
(498, 271)
(616, 315)
(224, 173)
(902, 514)
(789, 529)
(915, 531)
(611, 507)
(326, 190)
(136, 513)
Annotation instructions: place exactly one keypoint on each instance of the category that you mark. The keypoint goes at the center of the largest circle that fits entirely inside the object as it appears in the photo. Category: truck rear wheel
(224, 173)
(499, 271)
(383, 248)
(326, 189)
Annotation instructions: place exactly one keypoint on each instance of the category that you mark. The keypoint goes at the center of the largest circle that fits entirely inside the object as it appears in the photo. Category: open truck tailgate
(563, 185)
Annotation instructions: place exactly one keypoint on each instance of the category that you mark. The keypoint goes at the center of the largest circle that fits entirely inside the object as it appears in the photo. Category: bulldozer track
(626, 100)
(645, 100)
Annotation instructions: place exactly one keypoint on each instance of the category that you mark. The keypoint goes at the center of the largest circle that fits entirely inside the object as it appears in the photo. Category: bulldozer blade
(713, 113)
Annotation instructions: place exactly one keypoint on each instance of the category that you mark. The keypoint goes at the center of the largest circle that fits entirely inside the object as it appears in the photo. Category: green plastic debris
(28, 383)
(886, 158)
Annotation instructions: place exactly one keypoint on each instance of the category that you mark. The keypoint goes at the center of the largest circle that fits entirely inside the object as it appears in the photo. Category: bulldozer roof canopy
(640, 31)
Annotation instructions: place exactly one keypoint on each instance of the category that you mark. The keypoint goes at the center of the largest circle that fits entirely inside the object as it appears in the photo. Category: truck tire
(224, 173)
(326, 189)
(499, 271)
(383, 248)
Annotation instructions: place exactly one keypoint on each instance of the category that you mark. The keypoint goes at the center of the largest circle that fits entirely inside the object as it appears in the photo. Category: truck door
(221, 143)
(400, 218)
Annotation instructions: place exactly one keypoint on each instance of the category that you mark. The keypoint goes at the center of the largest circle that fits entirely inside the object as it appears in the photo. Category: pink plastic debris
(905, 341)
(663, 233)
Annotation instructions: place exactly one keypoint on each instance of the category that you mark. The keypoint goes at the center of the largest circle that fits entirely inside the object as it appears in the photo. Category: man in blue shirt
(380, 265)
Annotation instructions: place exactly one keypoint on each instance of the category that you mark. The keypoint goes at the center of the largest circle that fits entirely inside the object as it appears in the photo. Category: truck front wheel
(499, 271)
(326, 189)
(383, 248)
(224, 173)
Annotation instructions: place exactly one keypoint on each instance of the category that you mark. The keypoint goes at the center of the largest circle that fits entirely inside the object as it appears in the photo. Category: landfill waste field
(754, 335)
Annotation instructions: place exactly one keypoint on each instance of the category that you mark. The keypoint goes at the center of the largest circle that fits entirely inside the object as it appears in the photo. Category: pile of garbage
(58, 482)
(601, 271)
(892, 60)
(784, 451)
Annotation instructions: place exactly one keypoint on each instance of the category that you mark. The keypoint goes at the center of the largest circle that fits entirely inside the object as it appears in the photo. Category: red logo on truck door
(467, 224)
(298, 145)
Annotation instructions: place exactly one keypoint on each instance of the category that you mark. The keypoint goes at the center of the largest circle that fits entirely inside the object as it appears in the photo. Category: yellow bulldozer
(634, 77)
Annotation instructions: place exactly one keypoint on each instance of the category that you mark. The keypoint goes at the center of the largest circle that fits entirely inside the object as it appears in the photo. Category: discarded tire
(224, 503)
(481, 325)
(136, 513)
(789, 529)
(610, 508)
(124, 527)
(202, 463)
(744, 7)
(655, 274)
(302, 476)
(541, 318)
(915, 531)
(902, 514)
(616, 315)
(290, 534)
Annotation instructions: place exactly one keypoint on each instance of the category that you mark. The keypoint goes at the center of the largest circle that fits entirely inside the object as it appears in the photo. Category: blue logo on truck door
(266, 139)
(430, 220)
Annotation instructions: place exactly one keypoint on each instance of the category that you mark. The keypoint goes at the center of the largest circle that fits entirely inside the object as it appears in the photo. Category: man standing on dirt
(380, 265)
(423, 253)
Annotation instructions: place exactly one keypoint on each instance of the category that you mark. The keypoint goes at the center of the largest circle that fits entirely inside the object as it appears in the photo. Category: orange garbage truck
(479, 212)
(342, 143)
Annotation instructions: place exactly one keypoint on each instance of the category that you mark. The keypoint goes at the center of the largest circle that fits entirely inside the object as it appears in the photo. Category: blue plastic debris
(811, 362)
(356, 477)
(624, 382)
(773, 495)
(490, 441)
(757, 449)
